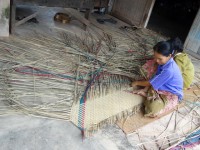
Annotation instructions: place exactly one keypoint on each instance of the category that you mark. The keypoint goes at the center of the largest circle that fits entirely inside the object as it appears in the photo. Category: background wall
(4, 17)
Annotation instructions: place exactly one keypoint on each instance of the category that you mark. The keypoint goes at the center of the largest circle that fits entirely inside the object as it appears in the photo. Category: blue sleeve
(160, 79)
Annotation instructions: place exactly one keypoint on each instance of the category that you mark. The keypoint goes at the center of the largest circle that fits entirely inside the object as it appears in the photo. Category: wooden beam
(87, 14)
(78, 16)
(195, 55)
(26, 19)
(58, 3)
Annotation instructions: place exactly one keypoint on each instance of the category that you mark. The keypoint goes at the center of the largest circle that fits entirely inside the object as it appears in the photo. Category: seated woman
(183, 61)
(166, 87)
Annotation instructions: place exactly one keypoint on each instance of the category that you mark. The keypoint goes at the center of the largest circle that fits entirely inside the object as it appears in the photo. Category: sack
(154, 103)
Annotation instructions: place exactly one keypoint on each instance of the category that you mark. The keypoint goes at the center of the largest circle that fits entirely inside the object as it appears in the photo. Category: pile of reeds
(44, 75)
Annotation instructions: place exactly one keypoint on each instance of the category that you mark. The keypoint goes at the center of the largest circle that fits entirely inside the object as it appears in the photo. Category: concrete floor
(23, 132)
(20, 132)
(29, 133)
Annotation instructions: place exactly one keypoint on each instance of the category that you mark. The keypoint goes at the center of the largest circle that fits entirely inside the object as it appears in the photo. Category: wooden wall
(4, 17)
(101, 3)
(192, 43)
(59, 3)
(134, 12)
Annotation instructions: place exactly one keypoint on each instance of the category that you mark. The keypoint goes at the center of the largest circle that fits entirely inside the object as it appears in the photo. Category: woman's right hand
(142, 92)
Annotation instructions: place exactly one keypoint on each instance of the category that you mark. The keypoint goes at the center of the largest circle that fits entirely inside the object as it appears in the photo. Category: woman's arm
(141, 83)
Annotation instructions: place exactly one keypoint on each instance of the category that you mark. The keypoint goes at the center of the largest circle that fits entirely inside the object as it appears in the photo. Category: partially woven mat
(105, 109)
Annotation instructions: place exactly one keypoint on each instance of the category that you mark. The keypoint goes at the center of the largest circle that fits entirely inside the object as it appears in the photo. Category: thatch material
(45, 75)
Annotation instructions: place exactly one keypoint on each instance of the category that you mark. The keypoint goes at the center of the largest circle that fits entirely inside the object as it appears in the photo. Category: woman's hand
(142, 92)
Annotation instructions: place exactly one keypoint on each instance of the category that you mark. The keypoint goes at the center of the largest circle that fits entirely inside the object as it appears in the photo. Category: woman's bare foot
(153, 116)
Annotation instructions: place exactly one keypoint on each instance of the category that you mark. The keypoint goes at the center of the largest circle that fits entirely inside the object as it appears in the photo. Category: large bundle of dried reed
(45, 75)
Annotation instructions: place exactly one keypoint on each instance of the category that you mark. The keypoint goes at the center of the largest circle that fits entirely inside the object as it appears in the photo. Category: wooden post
(12, 16)
(25, 19)
(79, 17)
(87, 14)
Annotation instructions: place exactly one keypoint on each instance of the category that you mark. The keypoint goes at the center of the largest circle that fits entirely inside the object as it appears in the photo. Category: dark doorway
(173, 18)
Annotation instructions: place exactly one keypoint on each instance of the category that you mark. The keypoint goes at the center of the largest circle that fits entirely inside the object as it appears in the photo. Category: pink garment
(149, 68)
(171, 99)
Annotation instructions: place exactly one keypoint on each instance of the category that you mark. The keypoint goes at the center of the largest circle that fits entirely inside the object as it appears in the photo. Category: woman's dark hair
(163, 48)
(176, 44)
(168, 47)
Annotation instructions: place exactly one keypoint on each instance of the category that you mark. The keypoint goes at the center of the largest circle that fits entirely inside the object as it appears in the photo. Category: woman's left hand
(141, 92)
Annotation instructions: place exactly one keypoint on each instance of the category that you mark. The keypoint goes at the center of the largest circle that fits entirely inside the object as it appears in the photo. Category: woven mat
(105, 109)
(138, 120)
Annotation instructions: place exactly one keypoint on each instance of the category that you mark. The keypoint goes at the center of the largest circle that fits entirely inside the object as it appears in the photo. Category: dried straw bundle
(45, 75)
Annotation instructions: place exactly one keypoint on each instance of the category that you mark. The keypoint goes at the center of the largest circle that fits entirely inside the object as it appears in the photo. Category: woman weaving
(165, 88)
